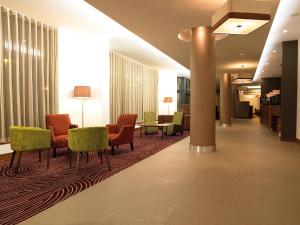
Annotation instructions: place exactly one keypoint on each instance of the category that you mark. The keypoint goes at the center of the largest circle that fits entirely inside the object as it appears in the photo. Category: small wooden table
(158, 125)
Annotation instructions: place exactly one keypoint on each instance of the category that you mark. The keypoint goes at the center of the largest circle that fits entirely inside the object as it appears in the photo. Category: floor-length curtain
(133, 87)
(28, 79)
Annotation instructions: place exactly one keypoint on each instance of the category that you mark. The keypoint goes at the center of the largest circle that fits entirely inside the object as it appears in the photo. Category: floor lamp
(168, 100)
(82, 92)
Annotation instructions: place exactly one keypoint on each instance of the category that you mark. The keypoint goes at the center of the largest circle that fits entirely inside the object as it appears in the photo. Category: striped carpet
(34, 188)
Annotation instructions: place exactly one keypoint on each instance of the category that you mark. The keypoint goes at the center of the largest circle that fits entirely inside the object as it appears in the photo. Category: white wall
(83, 59)
(167, 87)
(298, 95)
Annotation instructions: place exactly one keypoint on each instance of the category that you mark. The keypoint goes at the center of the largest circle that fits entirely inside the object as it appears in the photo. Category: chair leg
(19, 160)
(77, 163)
(131, 146)
(12, 158)
(40, 155)
(107, 159)
(100, 155)
(87, 156)
(70, 159)
(112, 150)
(48, 158)
(54, 152)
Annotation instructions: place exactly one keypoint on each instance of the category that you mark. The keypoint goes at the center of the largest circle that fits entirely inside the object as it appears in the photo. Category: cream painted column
(225, 100)
(203, 90)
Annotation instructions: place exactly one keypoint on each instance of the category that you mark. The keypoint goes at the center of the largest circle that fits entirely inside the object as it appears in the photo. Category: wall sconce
(82, 92)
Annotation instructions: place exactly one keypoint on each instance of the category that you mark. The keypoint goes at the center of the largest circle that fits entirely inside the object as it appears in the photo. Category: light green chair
(27, 139)
(87, 140)
(150, 118)
(177, 124)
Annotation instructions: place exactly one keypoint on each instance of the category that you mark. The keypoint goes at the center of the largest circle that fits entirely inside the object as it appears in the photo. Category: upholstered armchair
(150, 118)
(59, 124)
(122, 132)
(28, 139)
(177, 124)
(86, 140)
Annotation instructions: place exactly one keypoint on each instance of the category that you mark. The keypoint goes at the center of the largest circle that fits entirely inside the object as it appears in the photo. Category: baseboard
(297, 141)
(288, 139)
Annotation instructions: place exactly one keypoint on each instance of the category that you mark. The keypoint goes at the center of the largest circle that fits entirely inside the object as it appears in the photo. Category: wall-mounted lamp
(82, 92)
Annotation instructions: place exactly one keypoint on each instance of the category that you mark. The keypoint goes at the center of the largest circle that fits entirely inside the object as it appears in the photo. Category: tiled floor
(252, 179)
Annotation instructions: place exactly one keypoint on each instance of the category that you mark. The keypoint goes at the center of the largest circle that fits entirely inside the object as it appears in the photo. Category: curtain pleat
(28, 78)
(133, 87)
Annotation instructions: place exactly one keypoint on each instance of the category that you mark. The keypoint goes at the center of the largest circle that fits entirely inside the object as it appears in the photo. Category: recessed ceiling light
(285, 31)
(242, 66)
(239, 26)
(274, 51)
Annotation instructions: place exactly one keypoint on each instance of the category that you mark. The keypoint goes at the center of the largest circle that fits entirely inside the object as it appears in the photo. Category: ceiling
(284, 28)
(159, 22)
(81, 17)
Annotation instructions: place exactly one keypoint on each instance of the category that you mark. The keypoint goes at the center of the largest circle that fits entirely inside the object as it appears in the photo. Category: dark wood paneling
(270, 84)
(289, 90)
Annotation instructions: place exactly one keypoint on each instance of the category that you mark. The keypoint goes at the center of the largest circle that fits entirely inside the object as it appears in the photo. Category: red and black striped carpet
(34, 188)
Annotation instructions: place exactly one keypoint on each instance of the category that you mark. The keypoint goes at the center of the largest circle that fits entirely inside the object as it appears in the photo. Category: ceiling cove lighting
(285, 8)
(240, 17)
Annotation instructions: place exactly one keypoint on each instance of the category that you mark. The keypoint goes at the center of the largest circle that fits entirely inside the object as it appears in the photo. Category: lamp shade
(168, 99)
(82, 92)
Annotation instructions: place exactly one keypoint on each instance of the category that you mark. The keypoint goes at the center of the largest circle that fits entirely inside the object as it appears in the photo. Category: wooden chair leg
(107, 159)
(12, 158)
(70, 159)
(112, 150)
(48, 158)
(19, 160)
(131, 146)
(54, 152)
(77, 162)
(40, 155)
(87, 156)
(100, 154)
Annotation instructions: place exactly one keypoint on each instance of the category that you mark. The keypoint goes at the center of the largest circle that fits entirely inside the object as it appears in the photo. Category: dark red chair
(122, 132)
(59, 124)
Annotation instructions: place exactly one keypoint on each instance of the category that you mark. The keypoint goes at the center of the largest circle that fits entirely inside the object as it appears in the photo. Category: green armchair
(87, 140)
(28, 139)
(150, 118)
(177, 124)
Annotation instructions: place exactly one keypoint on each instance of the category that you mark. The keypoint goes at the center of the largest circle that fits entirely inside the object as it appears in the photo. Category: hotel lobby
(149, 112)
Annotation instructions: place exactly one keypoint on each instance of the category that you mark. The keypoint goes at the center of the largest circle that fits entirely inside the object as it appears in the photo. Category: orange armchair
(122, 132)
(59, 124)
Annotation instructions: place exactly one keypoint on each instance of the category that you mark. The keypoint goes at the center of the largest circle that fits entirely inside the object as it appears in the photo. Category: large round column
(203, 90)
(225, 100)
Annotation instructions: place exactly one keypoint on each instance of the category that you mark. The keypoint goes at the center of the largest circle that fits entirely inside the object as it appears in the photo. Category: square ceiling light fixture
(241, 17)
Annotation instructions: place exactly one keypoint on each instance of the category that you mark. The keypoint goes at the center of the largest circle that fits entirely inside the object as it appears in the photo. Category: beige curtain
(133, 87)
(28, 81)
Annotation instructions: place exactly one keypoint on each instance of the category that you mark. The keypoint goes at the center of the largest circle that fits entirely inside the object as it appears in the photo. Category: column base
(225, 124)
(202, 149)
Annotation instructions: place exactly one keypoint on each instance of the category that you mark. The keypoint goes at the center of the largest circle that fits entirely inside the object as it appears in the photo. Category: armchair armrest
(112, 128)
(126, 133)
(53, 139)
(73, 126)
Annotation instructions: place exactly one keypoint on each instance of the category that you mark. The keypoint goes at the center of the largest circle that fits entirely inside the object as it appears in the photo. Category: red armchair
(59, 124)
(122, 132)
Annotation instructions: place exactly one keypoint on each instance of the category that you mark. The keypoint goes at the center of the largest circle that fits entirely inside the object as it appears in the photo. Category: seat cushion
(61, 141)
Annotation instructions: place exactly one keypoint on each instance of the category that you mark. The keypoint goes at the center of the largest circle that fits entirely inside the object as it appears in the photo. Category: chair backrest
(178, 118)
(149, 117)
(29, 138)
(59, 122)
(88, 139)
(126, 119)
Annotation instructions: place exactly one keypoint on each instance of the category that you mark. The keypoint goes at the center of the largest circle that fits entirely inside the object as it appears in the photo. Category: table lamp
(82, 92)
